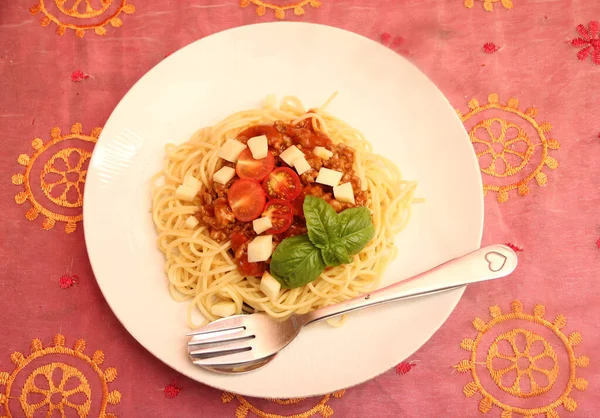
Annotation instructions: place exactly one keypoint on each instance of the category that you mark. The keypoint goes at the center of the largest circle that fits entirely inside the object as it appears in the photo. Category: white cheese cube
(270, 286)
(259, 146)
(223, 309)
(224, 175)
(185, 193)
(260, 249)
(191, 222)
(329, 177)
(231, 150)
(193, 183)
(344, 193)
(322, 152)
(301, 165)
(290, 155)
(260, 225)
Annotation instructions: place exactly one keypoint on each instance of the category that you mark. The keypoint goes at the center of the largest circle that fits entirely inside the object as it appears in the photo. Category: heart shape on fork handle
(495, 261)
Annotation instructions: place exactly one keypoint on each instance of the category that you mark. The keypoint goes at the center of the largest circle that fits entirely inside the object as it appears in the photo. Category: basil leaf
(296, 262)
(335, 254)
(321, 220)
(357, 229)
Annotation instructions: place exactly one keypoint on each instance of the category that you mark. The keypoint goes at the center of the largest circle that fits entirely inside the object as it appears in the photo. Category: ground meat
(298, 227)
(215, 212)
(315, 162)
(309, 177)
(221, 189)
(223, 213)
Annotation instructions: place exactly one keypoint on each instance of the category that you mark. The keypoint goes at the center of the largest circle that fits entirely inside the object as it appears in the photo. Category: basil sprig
(332, 240)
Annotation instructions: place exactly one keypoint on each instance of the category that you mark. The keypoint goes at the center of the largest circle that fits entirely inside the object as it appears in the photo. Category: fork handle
(487, 263)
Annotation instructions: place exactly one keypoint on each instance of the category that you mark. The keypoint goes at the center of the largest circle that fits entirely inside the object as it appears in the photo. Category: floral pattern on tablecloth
(56, 380)
(520, 352)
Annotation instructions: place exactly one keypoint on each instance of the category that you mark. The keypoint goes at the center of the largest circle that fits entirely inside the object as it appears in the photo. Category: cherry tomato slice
(282, 183)
(247, 199)
(281, 213)
(247, 268)
(249, 167)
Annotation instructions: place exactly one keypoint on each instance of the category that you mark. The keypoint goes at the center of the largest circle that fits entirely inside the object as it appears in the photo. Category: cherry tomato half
(239, 244)
(281, 213)
(247, 199)
(249, 167)
(282, 183)
(247, 268)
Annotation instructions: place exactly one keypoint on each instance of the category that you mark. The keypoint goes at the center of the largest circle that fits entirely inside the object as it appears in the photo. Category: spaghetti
(202, 270)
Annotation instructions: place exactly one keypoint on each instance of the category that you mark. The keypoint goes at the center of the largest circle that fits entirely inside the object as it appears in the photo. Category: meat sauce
(216, 214)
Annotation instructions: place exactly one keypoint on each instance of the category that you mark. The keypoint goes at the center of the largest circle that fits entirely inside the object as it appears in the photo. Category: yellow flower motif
(61, 179)
(489, 4)
(280, 9)
(524, 363)
(505, 150)
(536, 361)
(321, 408)
(55, 388)
(82, 15)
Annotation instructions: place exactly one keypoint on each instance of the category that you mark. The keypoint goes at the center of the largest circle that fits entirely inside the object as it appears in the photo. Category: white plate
(398, 109)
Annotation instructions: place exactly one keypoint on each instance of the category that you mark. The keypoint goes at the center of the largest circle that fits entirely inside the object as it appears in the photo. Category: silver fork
(242, 343)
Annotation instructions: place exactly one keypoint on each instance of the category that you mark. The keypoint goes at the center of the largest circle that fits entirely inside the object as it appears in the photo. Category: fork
(229, 343)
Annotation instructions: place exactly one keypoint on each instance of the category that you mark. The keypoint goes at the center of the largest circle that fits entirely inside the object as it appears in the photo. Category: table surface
(524, 77)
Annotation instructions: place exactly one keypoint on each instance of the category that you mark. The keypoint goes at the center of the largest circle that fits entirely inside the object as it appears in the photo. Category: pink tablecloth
(525, 77)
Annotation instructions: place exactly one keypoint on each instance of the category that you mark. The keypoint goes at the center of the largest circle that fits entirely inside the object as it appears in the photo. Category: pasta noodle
(203, 272)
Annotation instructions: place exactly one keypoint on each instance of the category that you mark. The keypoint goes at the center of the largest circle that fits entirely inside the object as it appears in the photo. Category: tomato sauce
(227, 214)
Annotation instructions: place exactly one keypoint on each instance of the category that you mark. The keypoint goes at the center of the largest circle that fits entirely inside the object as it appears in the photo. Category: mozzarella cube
(301, 165)
(185, 193)
(344, 193)
(290, 155)
(270, 286)
(329, 177)
(260, 249)
(259, 147)
(260, 225)
(224, 175)
(223, 309)
(322, 152)
(231, 150)
(191, 222)
(193, 183)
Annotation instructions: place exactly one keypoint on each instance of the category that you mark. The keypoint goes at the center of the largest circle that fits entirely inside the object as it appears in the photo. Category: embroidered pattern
(513, 158)
(589, 42)
(67, 281)
(245, 406)
(78, 76)
(489, 4)
(520, 365)
(386, 39)
(171, 390)
(56, 388)
(61, 179)
(514, 247)
(490, 48)
(82, 15)
(405, 367)
(297, 7)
